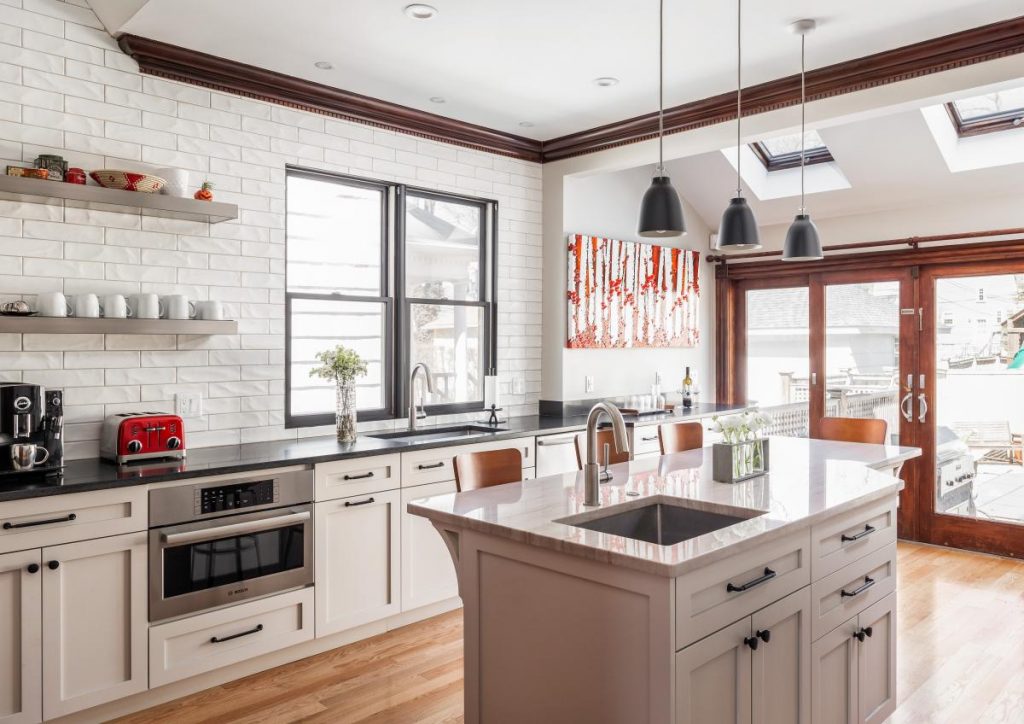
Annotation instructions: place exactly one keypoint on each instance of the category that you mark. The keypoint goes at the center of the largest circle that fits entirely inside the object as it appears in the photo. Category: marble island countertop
(809, 481)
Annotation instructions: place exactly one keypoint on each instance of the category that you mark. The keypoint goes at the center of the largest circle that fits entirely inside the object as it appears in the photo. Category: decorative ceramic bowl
(128, 180)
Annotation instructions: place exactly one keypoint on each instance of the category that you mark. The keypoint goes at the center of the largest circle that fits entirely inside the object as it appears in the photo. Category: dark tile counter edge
(95, 474)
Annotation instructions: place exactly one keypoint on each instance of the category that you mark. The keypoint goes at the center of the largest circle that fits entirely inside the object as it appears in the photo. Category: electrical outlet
(188, 404)
(588, 383)
(657, 378)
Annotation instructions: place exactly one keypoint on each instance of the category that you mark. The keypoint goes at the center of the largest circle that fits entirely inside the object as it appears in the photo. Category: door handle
(226, 531)
(922, 406)
(906, 405)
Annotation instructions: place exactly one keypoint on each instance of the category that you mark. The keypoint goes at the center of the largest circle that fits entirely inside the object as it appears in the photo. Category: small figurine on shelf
(205, 193)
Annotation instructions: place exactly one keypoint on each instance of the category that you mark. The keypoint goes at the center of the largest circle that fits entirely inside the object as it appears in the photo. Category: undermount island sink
(660, 522)
(438, 433)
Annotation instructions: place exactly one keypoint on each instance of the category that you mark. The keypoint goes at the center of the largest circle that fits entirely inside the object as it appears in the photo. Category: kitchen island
(680, 599)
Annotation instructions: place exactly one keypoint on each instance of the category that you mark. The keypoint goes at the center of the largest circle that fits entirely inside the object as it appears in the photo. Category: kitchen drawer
(556, 454)
(716, 595)
(842, 540)
(361, 476)
(869, 580)
(645, 441)
(435, 466)
(56, 519)
(186, 647)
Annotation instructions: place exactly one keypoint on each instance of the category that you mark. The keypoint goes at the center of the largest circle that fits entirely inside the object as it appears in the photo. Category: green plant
(341, 364)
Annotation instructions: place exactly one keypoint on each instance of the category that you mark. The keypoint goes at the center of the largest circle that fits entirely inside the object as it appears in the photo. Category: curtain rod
(911, 241)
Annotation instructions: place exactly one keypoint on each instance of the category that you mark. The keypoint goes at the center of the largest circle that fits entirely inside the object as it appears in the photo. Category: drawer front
(57, 519)
(184, 648)
(556, 454)
(714, 596)
(848, 591)
(344, 478)
(435, 466)
(645, 441)
(844, 539)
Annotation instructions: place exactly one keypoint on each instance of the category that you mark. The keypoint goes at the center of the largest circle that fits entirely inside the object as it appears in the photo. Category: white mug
(115, 306)
(177, 182)
(209, 310)
(52, 304)
(177, 306)
(85, 305)
(148, 306)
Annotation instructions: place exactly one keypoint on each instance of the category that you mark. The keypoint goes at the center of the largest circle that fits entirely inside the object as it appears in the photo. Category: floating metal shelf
(37, 190)
(101, 325)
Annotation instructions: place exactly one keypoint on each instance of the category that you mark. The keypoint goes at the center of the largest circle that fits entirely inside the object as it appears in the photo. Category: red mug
(75, 176)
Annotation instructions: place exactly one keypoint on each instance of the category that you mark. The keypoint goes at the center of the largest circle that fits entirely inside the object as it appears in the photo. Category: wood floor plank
(961, 659)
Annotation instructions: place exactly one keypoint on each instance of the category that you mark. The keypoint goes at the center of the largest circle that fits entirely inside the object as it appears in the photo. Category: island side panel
(553, 637)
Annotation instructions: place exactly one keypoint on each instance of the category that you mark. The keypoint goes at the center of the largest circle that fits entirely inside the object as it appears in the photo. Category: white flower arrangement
(744, 426)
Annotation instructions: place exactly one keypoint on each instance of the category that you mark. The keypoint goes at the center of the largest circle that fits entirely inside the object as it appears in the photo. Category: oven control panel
(236, 496)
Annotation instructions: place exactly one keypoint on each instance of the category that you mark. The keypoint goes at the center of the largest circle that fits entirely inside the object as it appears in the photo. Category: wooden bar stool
(853, 429)
(604, 437)
(487, 467)
(676, 437)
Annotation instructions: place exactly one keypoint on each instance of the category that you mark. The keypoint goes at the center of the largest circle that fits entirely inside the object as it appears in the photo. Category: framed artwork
(627, 294)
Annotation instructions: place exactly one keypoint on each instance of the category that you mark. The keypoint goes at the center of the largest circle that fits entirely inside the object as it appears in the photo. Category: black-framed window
(999, 111)
(402, 275)
(783, 152)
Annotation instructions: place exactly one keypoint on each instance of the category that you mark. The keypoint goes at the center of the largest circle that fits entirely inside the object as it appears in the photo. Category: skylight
(784, 151)
(999, 111)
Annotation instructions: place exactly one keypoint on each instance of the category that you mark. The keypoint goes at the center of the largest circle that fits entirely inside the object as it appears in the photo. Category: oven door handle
(226, 531)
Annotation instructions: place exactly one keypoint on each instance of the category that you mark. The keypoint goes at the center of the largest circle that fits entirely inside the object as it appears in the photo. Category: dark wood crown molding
(936, 55)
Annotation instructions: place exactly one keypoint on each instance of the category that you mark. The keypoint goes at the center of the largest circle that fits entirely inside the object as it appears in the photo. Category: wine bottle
(687, 390)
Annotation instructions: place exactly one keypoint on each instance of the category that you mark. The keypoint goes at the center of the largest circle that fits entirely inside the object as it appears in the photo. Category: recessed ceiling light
(606, 81)
(526, 124)
(436, 99)
(324, 65)
(419, 11)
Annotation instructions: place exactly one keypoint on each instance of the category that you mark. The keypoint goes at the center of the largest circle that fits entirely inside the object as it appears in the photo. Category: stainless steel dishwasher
(556, 454)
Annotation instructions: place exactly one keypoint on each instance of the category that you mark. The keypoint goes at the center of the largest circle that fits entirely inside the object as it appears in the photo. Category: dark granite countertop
(96, 474)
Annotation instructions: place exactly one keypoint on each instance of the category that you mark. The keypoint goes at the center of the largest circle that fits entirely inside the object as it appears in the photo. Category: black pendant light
(802, 242)
(661, 212)
(738, 230)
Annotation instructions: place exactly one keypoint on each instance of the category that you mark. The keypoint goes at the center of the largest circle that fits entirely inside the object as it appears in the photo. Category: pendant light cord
(661, 87)
(739, 94)
(803, 116)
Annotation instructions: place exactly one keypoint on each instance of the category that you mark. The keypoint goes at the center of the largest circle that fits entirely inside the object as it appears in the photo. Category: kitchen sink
(662, 523)
(456, 432)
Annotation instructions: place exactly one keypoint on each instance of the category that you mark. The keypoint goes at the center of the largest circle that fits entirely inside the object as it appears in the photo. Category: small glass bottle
(687, 390)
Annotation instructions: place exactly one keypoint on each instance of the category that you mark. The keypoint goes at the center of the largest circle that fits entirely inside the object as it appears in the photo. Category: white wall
(66, 88)
(607, 205)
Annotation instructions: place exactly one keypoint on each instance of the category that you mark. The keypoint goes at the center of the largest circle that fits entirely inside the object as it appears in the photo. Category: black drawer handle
(215, 640)
(430, 467)
(769, 574)
(349, 503)
(864, 632)
(868, 583)
(868, 530)
(31, 524)
(364, 476)
(649, 439)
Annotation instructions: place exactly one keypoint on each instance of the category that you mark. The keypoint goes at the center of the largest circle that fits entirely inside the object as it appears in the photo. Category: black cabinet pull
(649, 439)
(769, 574)
(53, 565)
(364, 476)
(864, 632)
(350, 504)
(751, 641)
(232, 637)
(868, 583)
(868, 530)
(33, 568)
(430, 467)
(32, 523)
(764, 635)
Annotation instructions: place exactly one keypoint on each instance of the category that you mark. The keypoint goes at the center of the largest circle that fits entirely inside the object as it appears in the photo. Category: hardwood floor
(961, 659)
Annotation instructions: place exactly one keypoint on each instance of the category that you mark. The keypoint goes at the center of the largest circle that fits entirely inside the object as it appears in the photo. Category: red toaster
(142, 436)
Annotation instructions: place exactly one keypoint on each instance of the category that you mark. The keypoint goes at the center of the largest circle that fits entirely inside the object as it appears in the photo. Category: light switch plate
(188, 404)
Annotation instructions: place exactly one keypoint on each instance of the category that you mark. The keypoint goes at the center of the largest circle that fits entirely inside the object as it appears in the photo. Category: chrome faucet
(591, 471)
(421, 413)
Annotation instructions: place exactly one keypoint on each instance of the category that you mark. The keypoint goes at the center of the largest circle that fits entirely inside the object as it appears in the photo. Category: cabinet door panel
(428, 573)
(877, 661)
(834, 676)
(781, 674)
(356, 561)
(713, 678)
(94, 623)
(20, 638)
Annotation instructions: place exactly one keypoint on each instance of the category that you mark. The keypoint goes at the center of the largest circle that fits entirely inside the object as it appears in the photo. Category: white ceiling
(500, 63)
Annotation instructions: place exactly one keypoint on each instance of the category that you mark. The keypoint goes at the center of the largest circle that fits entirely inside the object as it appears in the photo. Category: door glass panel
(979, 385)
(862, 344)
(777, 362)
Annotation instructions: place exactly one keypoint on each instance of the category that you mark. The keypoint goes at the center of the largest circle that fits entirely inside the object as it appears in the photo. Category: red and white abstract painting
(626, 294)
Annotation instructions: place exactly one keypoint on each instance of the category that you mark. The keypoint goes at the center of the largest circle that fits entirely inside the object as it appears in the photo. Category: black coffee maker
(31, 431)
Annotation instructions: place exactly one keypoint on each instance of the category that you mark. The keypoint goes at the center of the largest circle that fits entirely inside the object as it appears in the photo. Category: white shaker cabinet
(713, 678)
(428, 573)
(20, 638)
(94, 622)
(357, 560)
